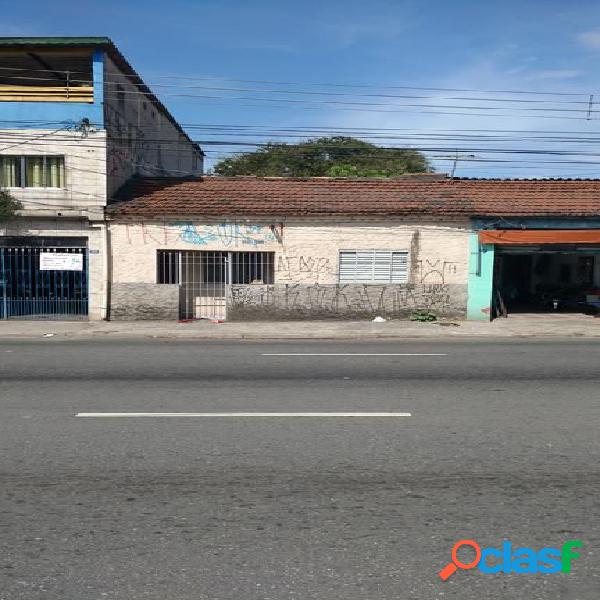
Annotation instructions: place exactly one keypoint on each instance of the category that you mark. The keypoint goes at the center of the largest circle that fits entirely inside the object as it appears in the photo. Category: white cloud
(553, 74)
(508, 129)
(590, 39)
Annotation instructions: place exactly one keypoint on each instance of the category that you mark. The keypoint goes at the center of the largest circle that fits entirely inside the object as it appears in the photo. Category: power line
(359, 106)
(584, 103)
(489, 161)
(150, 143)
(586, 109)
(138, 79)
(327, 131)
(36, 138)
(405, 142)
(361, 152)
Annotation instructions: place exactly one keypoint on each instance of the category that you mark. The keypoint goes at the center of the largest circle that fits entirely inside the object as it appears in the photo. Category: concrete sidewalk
(518, 326)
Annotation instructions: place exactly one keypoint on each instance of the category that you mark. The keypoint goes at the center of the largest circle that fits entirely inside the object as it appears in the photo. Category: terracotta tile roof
(412, 195)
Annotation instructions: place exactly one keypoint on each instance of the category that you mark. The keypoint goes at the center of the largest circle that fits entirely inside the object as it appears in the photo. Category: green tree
(8, 205)
(337, 156)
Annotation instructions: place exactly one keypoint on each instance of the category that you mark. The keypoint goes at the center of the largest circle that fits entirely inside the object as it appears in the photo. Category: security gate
(203, 285)
(205, 278)
(43, 283)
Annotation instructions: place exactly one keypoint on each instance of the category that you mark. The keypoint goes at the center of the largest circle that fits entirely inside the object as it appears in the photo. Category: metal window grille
(252, 267)
(168, 264)
(373, 266)
(204, 277)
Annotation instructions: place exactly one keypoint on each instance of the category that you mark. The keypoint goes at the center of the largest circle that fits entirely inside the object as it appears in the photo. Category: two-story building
(79, 130)
(76, 123)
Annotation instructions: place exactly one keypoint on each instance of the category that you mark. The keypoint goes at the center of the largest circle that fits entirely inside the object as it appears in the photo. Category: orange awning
(540, 236)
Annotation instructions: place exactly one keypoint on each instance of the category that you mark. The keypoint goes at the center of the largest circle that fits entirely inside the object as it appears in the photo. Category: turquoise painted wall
(56, 115)
(481, 277)
(481, 261)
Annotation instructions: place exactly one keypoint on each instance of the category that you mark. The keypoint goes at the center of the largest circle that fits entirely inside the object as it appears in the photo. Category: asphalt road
(503, 444)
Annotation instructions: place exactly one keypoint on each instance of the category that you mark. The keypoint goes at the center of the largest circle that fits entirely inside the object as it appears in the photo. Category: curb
(98, 336)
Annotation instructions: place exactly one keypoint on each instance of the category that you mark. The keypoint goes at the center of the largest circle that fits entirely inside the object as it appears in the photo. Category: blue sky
(542, 46)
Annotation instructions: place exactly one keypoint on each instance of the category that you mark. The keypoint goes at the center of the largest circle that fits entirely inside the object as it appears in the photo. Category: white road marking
(249, 414)
(350, 354)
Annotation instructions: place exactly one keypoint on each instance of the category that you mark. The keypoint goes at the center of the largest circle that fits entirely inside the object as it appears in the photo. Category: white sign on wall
(61, 261)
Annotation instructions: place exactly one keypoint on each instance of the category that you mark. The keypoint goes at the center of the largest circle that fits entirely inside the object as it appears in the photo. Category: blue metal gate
(30, 290)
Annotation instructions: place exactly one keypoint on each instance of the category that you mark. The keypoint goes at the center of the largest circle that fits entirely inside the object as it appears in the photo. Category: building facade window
(32, 171)
(10, 171)
(168, 266)
(373, 266)
(199, 267)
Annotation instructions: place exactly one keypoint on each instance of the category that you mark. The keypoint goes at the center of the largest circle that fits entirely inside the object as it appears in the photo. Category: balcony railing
(38, 93)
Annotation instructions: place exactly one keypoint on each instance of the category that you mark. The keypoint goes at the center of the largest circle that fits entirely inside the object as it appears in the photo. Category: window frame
(168, 267)
(23, 171)
(239, 266)
(373, 280)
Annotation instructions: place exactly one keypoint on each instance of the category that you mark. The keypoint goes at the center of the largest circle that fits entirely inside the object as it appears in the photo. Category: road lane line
(246, 414)
(349, 354)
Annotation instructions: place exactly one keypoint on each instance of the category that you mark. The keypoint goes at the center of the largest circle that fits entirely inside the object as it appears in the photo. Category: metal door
(204, 278)
(34, 286)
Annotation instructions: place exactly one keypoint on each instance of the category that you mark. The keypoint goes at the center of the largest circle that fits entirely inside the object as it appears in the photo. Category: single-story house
(287, 248)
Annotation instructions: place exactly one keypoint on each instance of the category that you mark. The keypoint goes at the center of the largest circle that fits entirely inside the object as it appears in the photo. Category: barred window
(167, 270)
(186, 266)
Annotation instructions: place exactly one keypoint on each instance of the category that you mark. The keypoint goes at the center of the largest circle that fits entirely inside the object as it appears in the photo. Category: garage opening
(546, 279)
(43, 278)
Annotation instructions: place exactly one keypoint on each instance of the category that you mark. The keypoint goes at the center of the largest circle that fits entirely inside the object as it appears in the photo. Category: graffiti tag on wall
(312, 268)
(230, 235)
(340, 299)
(433, 271)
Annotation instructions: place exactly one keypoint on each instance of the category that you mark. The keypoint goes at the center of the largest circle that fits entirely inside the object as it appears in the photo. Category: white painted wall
(84, 193)
(307, 253)
(61, 227)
